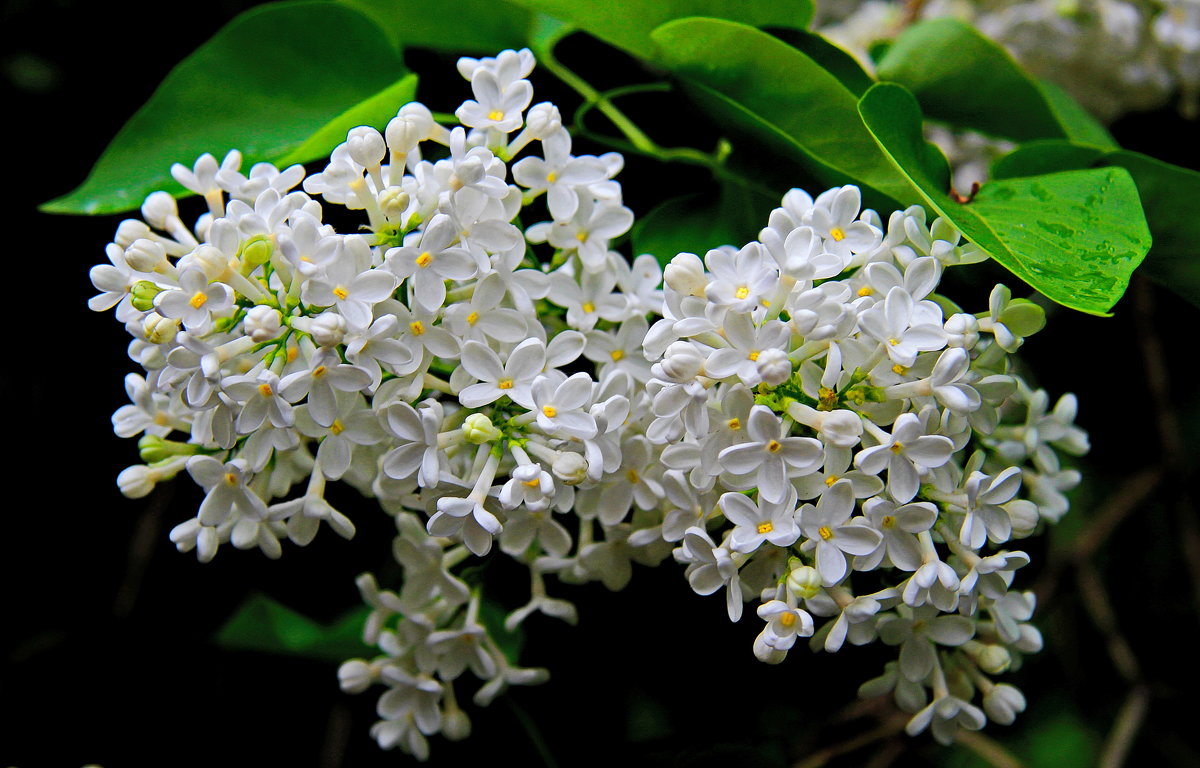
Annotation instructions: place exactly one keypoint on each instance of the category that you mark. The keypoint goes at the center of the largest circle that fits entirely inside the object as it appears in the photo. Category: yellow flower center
(734, 423)
(425, 259)
(265, 390)
(199, 299)
(753, 356)
(582, 237)
(837, 234)
(897, 447)
(825, 532)
(899, 370)
(319, 371)
(534, 483)
(504, 384)
(888, 521)
(588, 307)
(866, 290)
(616, 354)
(495, 115)
(230, 478)
(829, 481)
(551, 177)
(341, 292)
(742, 292)
(337, 427)
(473, 318)
(774, 446)
(550, 411)
(417, 327)
(787, 619)
(765, 527)
(633, 476)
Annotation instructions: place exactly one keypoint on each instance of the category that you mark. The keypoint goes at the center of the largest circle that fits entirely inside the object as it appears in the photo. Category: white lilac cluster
(1113, 56)
(806, 425)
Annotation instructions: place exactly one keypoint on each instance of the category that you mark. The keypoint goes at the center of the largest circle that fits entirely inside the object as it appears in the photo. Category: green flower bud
(153, 448)
(143, 292)
(255, 252)
(478, 429)
(804, 581)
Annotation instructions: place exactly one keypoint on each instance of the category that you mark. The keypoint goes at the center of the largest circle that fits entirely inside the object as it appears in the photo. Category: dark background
(106, 632)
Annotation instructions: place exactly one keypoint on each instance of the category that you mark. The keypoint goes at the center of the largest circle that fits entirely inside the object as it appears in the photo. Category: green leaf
(1076, 123)
(1047, 156)
(376, 111)
(463, 26)
(964, 79)
(629, 25)
(699, 222)
(1169, 194)
(840, 63)
(765, 86)
(1076, 236)
(262, 624)
(264, 84)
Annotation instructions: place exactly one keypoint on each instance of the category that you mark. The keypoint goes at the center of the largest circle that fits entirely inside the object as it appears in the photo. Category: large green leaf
(628, 25)
(759, 83)
(1076, 236)
(1046, 156)
(840, 63)
(963, 78)
(376, 111)
(462, 26)
(1168, 194)
(267, 82)
(262, 624)
(698, 222)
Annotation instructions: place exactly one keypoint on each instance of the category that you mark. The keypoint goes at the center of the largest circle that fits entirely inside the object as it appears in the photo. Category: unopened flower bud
(569, 467)
(994, 659)
(131, 230)
(208, 258)
(328, 329)
(841, 428)
(158, 329)
(142, 295)
(158, 208)
(136, 481)
(145, 255)
(456, 726)
(962, 330)
(393, 201)
(366, 146)
(356, 675)
(542, 120)
(478, 429)
(804, 581)
(255, 252)
(263, 323)
(681, 362)
(774, 366)
(685, 275)
(1003, 702)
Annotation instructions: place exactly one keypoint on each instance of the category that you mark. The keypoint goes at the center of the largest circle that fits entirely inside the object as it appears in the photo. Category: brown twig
(1129, 496)
(989, 750)
(890, 727)
(1171, 436)
(1125, 728)
(1096, 602)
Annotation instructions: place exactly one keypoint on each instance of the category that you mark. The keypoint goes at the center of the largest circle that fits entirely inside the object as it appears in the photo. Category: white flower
(769, 454)
(513, 379)
(765, 521)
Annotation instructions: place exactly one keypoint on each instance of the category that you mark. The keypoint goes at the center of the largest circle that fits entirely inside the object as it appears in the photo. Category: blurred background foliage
(119, 651)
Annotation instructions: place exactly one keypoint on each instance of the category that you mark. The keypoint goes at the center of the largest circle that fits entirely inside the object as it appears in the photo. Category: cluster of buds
(806, 424)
